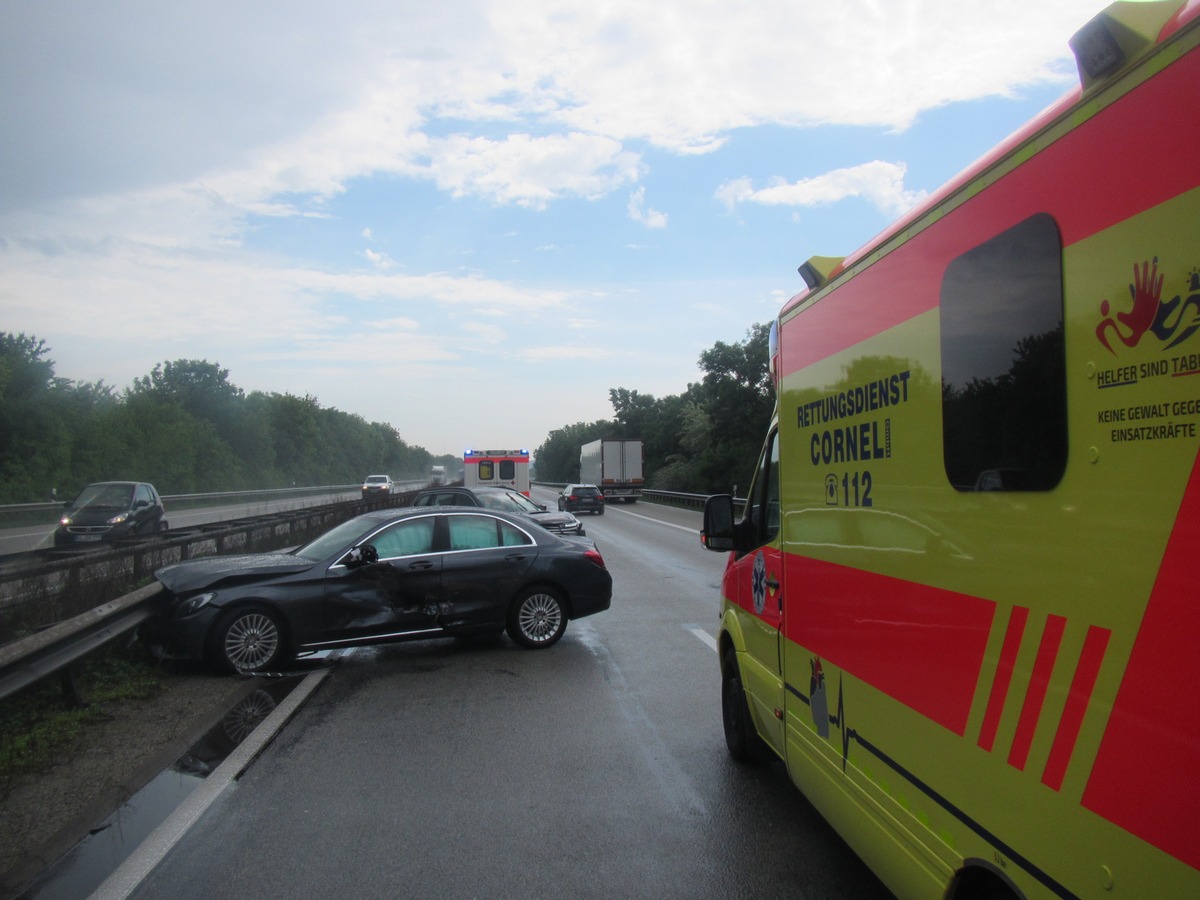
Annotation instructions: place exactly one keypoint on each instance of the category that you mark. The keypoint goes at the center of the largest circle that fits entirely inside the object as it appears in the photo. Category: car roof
(407, 512)
(482, 489)
(382, 516)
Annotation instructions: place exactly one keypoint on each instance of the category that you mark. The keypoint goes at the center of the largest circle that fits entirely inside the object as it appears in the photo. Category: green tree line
(184, 427)
(187, 429)
(705, 440)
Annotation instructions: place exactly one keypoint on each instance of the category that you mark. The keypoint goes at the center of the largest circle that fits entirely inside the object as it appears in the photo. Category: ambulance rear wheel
(741, 738)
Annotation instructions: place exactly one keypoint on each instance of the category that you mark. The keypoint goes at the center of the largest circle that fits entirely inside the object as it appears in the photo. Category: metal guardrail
(55, 649)
(14, 514)
(675, 498)
(668, 498)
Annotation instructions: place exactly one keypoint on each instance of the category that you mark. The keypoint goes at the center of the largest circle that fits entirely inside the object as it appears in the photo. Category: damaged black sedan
(385, 576)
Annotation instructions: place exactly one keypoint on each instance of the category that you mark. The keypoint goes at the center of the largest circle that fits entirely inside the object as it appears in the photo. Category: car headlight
(118, 519)
(65, 520)
(192, 604)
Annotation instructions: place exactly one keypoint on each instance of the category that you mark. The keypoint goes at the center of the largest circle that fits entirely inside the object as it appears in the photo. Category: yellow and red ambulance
(963, 599)
(497, 468)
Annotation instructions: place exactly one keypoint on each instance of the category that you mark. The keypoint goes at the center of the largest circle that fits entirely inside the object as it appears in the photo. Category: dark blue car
(109, 510)
(391, 575)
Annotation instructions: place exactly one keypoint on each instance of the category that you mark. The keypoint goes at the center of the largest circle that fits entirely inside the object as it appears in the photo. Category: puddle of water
(85, 867)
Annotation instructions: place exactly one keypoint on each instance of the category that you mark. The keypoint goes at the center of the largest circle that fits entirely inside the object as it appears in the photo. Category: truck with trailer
(960, 601)
(614, 466)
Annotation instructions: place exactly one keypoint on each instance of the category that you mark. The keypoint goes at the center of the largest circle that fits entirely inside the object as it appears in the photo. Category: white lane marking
(695, 531)
(625, 512)
(121, 883)
(704, 636)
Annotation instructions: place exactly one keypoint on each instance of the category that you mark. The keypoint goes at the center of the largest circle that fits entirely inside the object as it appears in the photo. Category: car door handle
(422, 565)
(514, 557)
(772, 582)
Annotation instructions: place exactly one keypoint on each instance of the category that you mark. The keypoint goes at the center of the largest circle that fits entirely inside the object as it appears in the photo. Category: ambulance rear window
(1004, 397)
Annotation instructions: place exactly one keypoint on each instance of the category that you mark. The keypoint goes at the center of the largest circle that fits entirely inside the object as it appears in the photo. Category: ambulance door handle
(772, 583)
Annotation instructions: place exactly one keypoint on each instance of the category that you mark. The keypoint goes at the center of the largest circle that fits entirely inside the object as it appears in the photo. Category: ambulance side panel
(1006, 631)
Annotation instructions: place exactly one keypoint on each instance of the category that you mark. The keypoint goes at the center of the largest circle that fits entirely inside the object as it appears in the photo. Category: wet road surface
(477, 769)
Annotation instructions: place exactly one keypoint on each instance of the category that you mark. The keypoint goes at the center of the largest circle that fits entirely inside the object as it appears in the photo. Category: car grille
(89, 529)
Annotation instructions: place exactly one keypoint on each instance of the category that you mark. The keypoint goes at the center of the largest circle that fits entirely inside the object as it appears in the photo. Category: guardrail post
(70, 686)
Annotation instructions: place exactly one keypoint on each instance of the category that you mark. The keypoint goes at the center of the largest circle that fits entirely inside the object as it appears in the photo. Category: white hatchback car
(378, 484)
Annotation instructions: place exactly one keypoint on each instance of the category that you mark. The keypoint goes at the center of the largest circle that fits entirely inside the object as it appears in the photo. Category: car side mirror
(718, 523)
(542, 507)
(363, 555)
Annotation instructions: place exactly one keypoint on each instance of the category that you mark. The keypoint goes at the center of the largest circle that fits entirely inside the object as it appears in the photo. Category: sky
(471, 220)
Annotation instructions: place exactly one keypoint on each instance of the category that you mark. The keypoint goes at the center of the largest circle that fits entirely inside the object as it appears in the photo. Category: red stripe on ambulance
(1080, 694)
(1004, 672)
(1144, 778)
(911, 283)
(919, 645)
(1031, 709)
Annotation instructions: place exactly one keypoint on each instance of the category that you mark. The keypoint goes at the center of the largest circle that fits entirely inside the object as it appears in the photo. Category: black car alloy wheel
(247, 639)
(537, 618)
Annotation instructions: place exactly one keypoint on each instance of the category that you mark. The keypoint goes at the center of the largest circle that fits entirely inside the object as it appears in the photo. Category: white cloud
(255, 102)
(682, 75)
(880, 183)
(380, 260)
(531, 171)
(651, 218)
(489, 334)
(170, 173)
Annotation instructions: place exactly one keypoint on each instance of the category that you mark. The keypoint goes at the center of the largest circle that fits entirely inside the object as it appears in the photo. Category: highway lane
(41, 537)
(475, 769)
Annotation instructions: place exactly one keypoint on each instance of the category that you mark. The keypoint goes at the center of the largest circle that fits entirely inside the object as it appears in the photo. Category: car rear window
(483, 532)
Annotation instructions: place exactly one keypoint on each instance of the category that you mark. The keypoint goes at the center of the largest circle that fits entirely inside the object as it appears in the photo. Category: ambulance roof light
(819, 269)
(1117, 36)
(1097, 53)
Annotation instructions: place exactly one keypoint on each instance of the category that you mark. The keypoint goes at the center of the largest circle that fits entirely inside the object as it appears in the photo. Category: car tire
(743, 741)
(247, 640)
(537, 618)
(600, 511)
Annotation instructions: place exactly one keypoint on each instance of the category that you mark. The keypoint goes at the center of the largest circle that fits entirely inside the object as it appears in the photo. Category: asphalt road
(460, 769)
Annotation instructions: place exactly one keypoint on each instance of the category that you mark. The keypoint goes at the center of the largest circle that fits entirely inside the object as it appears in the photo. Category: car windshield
(509, 501)
(376, 479)
(333, 540)
(115, 495)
